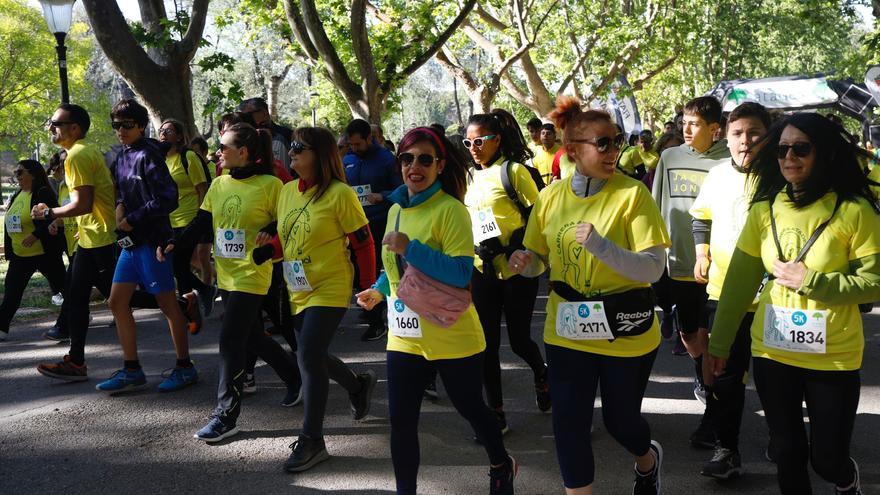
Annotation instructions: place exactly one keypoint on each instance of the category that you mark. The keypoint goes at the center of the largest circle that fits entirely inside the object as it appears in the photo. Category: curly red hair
(568, 111)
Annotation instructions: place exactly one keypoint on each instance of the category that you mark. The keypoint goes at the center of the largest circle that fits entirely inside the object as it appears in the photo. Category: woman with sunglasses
(814, 227)
(28, 244)
(430, 228)
(240, 211)
(319, 221)
(605, 241)
(192, 185)
(498, 221)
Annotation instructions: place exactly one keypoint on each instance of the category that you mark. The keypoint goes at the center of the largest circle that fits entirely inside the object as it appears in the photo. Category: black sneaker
(375, 332)
(192, 310)
(542, 393)
(293, 396)
(855, 488)
(307, 453)
(649, 484)
(57, 334)
(360, 401)
(207, 298)
(215, 431)
(501, 478)
(704, 436)
(724, 465)
(431, 390)
(249, 385)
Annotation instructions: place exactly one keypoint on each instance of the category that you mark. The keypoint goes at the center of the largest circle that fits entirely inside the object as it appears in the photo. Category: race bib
(13, 224)
(584, 320)
(125, 242)
(484, 225)
(230, 243)
(362, 193)
(795, 330)
(402, 321)
(295, 276)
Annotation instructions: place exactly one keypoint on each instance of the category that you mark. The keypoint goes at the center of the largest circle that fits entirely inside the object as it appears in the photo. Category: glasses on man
(57, 123)
(800, 150)
(478, 142)
(602, 144)
(19, 172)
(297, 147)
(424, 159)
(127, 125)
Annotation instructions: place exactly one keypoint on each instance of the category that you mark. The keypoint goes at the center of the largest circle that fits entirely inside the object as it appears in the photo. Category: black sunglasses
(57, 123)
(224, 147)
(167, 131)
(297, 147)
(800, 149)
(18, 172)
(425, 160)
(602, 144)
(122, 125)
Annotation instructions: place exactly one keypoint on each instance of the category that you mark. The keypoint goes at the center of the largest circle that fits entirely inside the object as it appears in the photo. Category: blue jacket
(378, 168)
(145, 188)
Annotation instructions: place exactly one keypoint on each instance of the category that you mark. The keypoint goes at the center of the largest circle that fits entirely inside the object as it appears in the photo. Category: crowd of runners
(756, 234)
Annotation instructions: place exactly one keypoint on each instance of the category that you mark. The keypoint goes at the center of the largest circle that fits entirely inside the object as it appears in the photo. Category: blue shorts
(139, 265)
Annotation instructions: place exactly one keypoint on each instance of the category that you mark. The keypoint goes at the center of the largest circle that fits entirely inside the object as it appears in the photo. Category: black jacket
(52, 244)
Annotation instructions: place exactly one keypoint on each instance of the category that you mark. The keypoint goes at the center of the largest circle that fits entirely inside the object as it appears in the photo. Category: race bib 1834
(795, 330)
(402, 321)
(230, 243)
(583, 320)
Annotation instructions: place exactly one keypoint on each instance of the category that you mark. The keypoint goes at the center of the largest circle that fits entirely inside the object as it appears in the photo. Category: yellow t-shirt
(486, 192)
(70, 226)
(544, 161)
(624, 213)
(19, 225)
(853, 233)
(875, 176)
(85, 166)
(634, 156)
(186, 180)
(566, 166)
(724, 199)
(442, 223)
(316, 234)
(247, 204)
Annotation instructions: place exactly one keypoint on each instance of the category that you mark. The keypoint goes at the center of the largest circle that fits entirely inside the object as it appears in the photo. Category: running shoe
(431, 390)
(55, 333)
(4, 334)
(178, 378)
(64, 370)
(293, 396)
(306, 454)
(375, 331)
(724, 465)
(855, 488)
(215, 431)
(207, 300)
(189, 303)
(542, 393)
(699, 391)
(704, 436)
(501, 478)
(249, 385)
(123, 380)
(360, 401)
(649, 484)
(58, 299)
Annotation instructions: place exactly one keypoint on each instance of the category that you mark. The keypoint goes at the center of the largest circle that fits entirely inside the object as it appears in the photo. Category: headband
(437, 140)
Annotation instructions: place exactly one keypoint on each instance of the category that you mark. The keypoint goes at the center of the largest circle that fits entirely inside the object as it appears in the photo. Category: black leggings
(725, 399)
(240, 332)
(832, 398)
(515, 299)
(574, 376)
(186, 279)
(407, 374)
(315, 327)
(19, 273)
(276, 304)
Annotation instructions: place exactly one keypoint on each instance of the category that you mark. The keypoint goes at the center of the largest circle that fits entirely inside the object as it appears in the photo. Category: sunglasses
(478, 142)
(297, 147)
(602, 144)
(425, 160)
(800, 149)
(128, 125)
(167, 131)
(18, 172)
(57, 123)
(224, 147)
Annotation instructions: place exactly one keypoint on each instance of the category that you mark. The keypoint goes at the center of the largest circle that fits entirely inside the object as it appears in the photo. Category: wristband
(48, 215)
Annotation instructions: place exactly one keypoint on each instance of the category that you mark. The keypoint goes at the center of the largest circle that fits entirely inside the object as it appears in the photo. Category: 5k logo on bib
(398, 306)
(228, 235)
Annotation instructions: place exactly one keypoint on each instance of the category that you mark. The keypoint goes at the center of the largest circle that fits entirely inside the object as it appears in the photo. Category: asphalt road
(68, 438)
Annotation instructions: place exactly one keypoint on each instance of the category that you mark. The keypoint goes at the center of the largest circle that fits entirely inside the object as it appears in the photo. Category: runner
(605, 243)
(240, 209)
(145, 197)
(807, 337)
(429, 228)
(499, 200)
(319, 218)
(544, 154)
(29, 246)
(67, 226)
(719, 213)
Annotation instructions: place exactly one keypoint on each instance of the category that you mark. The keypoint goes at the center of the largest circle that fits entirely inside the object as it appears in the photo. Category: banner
(623, 108)
(782, 93)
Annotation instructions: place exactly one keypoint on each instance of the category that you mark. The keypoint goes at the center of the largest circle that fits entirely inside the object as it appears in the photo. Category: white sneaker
(58, 299)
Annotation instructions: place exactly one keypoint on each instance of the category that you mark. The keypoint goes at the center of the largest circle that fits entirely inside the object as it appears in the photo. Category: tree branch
(637, 85)
(448, 61)
(298, 26)
(441, 40)
(489, 19)
(189, 44)
(361, 44)
(325, 49)
(115, 38)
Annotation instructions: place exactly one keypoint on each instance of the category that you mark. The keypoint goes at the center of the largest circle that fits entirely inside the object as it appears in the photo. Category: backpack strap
(511, 191)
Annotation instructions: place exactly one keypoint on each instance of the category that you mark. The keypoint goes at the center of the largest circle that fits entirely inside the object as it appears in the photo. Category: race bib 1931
(230, 243)
(484, 225)
(583, 320)
(362, 192)
(402, 321)
(795, 330)
(13, 224)
(295, 276)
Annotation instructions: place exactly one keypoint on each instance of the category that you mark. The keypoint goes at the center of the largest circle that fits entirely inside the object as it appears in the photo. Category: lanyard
(287, 236)
(816, 233)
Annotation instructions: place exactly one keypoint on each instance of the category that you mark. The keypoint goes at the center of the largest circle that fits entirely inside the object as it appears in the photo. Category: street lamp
(58, 15)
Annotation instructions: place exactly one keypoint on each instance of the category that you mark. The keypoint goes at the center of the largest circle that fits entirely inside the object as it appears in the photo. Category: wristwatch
(47, 214)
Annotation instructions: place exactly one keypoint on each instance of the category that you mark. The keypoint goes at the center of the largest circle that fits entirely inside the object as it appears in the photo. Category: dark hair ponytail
(454, 178)
(502, 123)
(259, 146)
